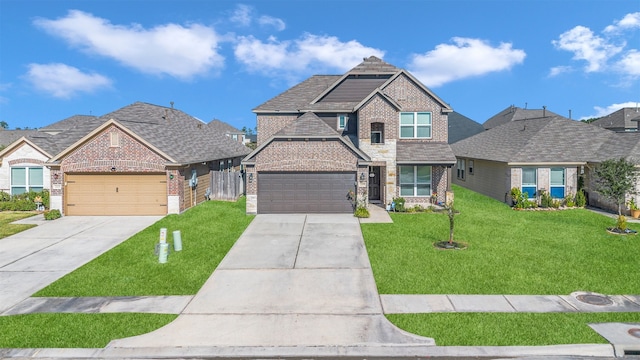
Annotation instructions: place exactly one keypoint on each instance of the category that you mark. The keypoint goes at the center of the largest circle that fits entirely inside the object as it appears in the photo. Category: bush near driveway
(510, 252)
(208, 231)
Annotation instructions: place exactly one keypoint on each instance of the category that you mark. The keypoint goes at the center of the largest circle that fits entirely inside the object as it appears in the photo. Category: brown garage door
(110, 194)
(305, 192)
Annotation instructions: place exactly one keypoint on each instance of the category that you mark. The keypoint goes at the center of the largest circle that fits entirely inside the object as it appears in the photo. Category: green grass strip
(510, 252)
(509, 329)
(7, 217)
(208, 231)
(75, 330)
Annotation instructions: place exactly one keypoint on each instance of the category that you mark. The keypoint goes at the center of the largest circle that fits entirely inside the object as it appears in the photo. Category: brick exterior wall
(271, 124)
(411, 98)
(310, 155)
(97, 155)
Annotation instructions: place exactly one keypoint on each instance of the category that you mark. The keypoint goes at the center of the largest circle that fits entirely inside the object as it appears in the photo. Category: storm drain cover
(594, 299)
(635, 332)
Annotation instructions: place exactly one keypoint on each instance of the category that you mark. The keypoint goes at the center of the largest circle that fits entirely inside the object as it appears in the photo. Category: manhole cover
(593, 299)
(635, 332)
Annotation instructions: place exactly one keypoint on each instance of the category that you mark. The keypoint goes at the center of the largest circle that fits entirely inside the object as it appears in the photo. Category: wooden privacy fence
(225, 185)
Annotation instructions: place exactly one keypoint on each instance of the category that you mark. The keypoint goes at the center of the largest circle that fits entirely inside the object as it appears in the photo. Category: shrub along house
(375, 131)
(142, 159)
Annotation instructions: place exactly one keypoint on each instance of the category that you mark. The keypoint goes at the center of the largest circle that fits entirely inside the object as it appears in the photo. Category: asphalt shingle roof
(223, 127)
(513, 113)
(308, 124)
(424, 152)
(625, 118)
(551, 139)
(9, 136)
(179, 135)
(300, 96)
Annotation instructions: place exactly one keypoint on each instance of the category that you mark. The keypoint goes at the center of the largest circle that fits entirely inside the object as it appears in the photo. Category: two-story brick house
(375, 131)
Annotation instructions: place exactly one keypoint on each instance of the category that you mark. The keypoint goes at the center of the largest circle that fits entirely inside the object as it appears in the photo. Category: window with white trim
(557, 183)
(529, 182)
(470, 167)
(460, 169)
(415, 180)
(343, 119)
(26, 178)
(415, 125)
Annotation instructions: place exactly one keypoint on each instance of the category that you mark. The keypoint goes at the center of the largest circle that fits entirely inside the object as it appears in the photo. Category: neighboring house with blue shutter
(375, 131)
(547, 153)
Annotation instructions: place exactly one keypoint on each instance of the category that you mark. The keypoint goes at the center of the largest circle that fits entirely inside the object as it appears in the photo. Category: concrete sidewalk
(33, 259)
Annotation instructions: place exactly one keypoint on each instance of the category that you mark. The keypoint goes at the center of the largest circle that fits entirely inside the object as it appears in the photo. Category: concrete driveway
(290, 280)
(33, 259)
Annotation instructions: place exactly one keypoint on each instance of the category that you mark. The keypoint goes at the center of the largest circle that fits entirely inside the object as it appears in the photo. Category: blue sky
(221, 59)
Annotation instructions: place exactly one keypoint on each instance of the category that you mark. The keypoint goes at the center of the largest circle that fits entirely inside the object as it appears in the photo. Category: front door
(374, 183)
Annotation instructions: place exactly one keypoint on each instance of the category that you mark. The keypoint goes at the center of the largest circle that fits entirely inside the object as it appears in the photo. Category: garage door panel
(116, 194)
(300, 192)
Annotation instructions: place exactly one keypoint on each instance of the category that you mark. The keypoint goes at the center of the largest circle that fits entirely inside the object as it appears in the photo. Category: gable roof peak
(373, 65)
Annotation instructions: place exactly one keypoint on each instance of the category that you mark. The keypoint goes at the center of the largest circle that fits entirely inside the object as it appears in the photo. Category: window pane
(406, 118)
(35, 177)
(36, 189)
(406, 190)
(424, 131)
(406, 175)
(18, 190)
(424, 175)
(528, 176)
(406, 131)
(424, 119)
(557, 192)
(557, 176)
(423, 190)
(376, 137)
(18, 176)
(530, 190)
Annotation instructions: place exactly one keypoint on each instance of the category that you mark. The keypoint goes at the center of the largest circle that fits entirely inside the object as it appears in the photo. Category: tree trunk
(451, 214)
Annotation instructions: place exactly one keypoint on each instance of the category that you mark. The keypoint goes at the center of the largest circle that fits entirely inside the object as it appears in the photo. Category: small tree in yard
(615, 179)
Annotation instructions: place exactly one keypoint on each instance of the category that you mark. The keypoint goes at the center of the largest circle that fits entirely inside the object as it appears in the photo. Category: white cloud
(242, 15)
(266, 20)
(310, 52)
(587, 46)
(629, 21)
(606, 52)
(557, 70)
(603, 111)
(630, 63)
(63, 81)
(465, 58)
(174, 50)
(245, 15)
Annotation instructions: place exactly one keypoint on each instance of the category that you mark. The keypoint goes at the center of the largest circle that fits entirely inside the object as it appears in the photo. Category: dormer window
(415, 125)
(342, 121)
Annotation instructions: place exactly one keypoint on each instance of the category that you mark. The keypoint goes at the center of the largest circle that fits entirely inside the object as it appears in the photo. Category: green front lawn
(75, 330)
(6, 219)
(509, 252)
(208, 231)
